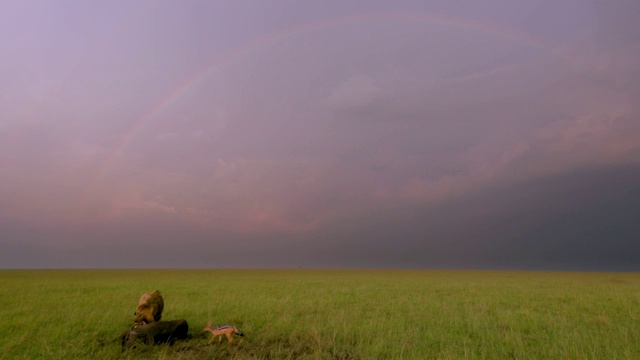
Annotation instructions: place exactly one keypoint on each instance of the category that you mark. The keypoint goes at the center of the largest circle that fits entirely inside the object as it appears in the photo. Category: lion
(149, 308)
(155, 333)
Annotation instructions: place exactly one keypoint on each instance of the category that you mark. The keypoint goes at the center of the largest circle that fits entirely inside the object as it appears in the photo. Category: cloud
(354, 92)
(135, 205)
(483, 75)
(168, 136)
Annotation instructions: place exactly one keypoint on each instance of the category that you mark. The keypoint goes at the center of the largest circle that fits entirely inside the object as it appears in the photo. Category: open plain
(327, 314)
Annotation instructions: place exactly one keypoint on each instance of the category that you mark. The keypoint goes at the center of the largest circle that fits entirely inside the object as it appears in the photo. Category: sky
(497, 134)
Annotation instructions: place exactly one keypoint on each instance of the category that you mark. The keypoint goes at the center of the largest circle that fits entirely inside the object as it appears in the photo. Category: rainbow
(271, 38)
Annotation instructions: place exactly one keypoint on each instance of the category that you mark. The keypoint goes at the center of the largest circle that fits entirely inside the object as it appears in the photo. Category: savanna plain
(327, 314)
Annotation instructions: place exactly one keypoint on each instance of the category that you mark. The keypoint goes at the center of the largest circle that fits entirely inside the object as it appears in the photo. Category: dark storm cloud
(564, 222)
(569, 221)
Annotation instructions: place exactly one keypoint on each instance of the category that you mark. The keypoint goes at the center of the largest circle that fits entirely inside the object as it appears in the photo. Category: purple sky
(264, 133)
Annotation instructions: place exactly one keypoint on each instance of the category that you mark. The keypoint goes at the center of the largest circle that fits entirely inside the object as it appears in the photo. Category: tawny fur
(149, 308)
(218, 331)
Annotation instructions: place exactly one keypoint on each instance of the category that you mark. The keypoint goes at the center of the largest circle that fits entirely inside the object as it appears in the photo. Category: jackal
(218, 331)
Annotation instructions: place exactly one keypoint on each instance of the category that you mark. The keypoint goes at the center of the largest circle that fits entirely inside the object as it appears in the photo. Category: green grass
(327, 314)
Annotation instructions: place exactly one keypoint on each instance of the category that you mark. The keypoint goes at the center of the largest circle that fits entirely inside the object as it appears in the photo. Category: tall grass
(327, 314)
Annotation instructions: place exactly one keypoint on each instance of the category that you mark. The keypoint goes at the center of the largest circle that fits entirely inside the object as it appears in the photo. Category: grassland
(327, 314)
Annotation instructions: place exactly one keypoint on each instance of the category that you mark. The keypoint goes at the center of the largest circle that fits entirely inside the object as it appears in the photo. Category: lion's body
(218, 331)
(149, 308)
(156, 333)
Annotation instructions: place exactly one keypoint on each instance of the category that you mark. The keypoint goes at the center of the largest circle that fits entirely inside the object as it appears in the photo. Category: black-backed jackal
(218, 331)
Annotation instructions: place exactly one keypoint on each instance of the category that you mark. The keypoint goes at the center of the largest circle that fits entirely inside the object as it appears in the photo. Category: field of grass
(327, 314)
